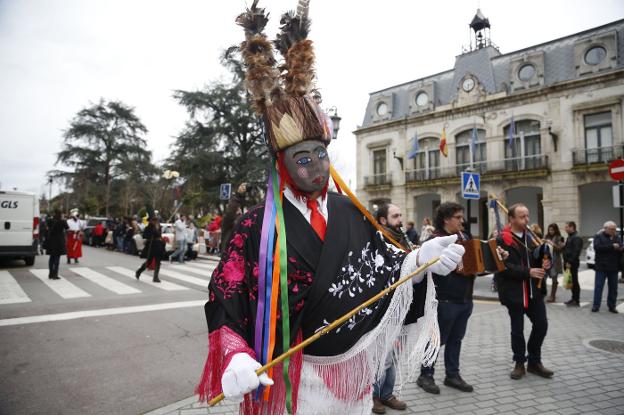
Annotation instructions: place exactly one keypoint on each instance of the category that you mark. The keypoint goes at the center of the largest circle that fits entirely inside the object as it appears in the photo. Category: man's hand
(240, 377)
(546, 264)
(537, 273)
(502, 254)
(445, 247)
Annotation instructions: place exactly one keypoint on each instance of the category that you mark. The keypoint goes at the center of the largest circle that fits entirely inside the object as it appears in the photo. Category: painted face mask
(307, 164)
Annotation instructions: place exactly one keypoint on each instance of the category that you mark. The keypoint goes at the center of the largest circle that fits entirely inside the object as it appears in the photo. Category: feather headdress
(282, 94)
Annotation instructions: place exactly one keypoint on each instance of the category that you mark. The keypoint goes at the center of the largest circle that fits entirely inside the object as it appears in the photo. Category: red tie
(317, 220)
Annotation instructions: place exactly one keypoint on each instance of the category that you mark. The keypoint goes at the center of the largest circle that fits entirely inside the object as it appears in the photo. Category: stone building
(561, 99)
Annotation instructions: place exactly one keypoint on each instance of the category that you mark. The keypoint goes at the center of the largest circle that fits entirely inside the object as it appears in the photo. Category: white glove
(445, 247)
(240, 377)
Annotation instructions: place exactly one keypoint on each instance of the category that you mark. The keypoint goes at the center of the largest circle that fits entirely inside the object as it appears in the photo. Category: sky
(57, 57)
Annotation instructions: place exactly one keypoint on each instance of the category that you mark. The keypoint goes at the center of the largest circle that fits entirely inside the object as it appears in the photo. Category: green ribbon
(283, 285)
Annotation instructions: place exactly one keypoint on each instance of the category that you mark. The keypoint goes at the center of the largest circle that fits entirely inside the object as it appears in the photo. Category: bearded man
(306, 257)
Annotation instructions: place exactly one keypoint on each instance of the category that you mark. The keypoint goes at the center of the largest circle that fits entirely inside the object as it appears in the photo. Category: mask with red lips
(307, 165)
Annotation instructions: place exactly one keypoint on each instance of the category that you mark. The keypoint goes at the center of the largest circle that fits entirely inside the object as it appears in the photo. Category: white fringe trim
(353, 373)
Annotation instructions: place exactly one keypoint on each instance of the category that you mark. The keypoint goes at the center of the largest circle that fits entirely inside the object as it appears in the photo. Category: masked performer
(306, 257)
(74, 236)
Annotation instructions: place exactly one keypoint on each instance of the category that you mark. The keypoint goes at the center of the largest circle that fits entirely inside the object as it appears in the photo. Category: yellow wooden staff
(335, 324)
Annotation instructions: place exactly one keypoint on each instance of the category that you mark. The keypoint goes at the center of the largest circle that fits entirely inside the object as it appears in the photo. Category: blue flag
(512, 136)
(414, 150)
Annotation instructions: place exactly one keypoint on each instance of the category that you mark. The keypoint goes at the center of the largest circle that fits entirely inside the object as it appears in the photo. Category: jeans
(453, 320)
(611, 277)
(537, 314)
(384, 387)
(179, 253)
(53, 264)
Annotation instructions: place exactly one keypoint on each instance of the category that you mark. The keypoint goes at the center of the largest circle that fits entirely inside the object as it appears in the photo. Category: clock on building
(468, 84)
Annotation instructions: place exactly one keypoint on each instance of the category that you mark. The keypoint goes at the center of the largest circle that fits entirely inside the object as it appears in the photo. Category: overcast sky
(57, 56)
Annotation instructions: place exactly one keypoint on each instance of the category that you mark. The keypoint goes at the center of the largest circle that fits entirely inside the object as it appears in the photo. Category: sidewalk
(585, 349)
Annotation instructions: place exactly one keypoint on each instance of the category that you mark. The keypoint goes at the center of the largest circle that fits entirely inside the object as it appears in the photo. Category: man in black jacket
(454, 294)
(608, 247)
(518, 291)
(571, 258)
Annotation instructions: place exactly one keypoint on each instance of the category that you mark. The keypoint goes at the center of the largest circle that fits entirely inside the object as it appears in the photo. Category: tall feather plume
(292, 42)
(262, 76)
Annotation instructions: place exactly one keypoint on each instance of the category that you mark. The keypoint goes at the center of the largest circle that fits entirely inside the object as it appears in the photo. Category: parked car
(590, 254)
(167, 236)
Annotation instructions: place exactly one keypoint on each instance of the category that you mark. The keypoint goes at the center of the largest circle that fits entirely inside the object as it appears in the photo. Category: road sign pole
(469, 230)
(621, 189)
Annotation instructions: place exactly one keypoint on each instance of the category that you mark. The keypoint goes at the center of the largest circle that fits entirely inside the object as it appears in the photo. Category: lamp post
(172, 175)
(50, 180)
(335, 119)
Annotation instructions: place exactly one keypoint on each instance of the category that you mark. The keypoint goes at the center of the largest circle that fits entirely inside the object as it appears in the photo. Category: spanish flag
(443, 146)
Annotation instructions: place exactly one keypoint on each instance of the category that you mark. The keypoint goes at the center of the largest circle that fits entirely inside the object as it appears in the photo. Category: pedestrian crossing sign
(470, 185)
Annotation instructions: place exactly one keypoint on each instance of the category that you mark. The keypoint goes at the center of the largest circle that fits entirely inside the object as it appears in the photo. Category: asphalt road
(98, 341)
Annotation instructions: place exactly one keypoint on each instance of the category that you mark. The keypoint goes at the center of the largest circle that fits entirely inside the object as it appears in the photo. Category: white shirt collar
(302, 206)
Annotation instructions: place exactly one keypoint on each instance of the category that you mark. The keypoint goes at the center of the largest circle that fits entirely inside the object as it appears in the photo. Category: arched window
(463, 142)
(427, 160)
(524, 150)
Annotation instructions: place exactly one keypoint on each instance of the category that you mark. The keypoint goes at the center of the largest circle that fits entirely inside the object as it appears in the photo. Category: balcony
(601, 155)
(529, 166)
(378, 180)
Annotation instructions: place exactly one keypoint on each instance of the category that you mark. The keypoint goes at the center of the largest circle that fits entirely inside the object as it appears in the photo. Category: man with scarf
(518, 291)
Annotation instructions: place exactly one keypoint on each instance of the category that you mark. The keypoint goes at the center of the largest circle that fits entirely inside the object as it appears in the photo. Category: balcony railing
(378, 180)
(597, 155)
(516, 164)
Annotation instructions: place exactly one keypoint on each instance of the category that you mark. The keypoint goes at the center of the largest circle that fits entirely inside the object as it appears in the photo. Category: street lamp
(335, 119)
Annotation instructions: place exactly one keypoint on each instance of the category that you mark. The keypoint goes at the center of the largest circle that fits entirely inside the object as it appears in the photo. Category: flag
(414, 149)
(443, 146)
(512, 136)
(473, 143)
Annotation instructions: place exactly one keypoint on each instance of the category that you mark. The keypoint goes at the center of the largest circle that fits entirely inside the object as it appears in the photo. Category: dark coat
(607, 257)
(154, 245)
(572, 250)
(55, 236)
(454, 287)
(510, 282)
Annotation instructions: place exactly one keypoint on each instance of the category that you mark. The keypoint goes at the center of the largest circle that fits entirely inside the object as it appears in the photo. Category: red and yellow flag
(443, 146)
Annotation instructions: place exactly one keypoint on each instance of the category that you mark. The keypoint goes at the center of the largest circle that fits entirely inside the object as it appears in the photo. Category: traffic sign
(616, 169)
(225, 190)
(470, 185)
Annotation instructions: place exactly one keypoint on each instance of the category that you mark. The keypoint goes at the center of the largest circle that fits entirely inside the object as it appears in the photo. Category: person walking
(192, 238)
(411, 233)
(571, 258)
(180, 238)
(74, 237)
(390, 218)
(55, 244)
(454, 293)
(518, 291)
(553, 235)
(154, 249)
(608, 247)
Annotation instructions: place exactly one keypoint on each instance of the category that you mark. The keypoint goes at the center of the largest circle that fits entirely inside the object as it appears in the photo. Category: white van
(19, 225)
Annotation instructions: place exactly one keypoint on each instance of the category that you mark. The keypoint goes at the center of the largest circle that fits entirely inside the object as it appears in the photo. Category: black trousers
(146, 263)
(536, 312)
(53, 264)
(576, 288)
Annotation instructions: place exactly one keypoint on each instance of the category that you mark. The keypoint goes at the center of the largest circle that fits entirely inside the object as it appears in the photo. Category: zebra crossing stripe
(199, 265)
(104, 281)
(196, 270)
(165, 285)
(186, 278)
(97, 313)
(62, 287)
(10, 290)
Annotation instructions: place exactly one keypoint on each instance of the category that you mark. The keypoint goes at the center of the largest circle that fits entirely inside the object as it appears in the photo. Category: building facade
(540, 125)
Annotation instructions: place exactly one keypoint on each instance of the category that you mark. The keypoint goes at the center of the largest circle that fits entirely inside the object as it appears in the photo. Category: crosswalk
(117, 280)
